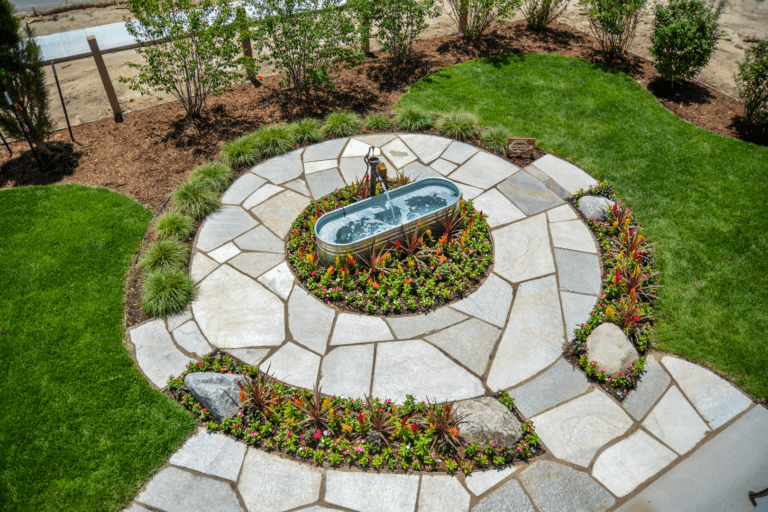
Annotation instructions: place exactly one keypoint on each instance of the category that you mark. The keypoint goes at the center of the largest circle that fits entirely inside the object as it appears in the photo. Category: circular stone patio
(507, 335)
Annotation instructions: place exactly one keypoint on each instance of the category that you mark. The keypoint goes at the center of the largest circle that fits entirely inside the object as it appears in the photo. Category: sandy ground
(743, 22)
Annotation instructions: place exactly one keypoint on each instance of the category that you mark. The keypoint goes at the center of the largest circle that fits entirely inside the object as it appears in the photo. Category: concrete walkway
(685, 440)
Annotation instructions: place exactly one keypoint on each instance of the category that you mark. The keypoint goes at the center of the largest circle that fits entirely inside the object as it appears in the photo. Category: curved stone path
(680, 424)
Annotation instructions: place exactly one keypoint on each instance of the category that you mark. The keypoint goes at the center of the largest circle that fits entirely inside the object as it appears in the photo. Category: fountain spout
(375, 173)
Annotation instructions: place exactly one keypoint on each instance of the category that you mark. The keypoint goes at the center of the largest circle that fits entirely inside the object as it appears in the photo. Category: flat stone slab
(223, 225)
(651, 386)
(351, 329)
(346, 371)
(488, 420)
(294, 365)
(156, 354)
(243, 187)
(529, 194)
(469, 342)
(320, 165)
(260, 239)
(281, 168)
(212, 454)
(468, 192)
(533, 338)
(444, 167)
(558, 488)
(715, 399)
(630, 462)
(572, 234)
(189, 337)
(200, 266)
(325, 182)
(408, 327)
(376, 139)
(579, 272)
(372, 492)
(174, 321)
(327, 150)
(299, 186)
(426, 147)
(418, 171)
(576, 430)
(279, 212)
(353, 169)
(510, 497)
(561, 214)
(269, 483)
(398, 153)
(256, 263)
(610, 348)
(417, 368)
(490, 302)
(717, 476)
(499, 209)
(357, 148)
(252, 356)
(676, 422)
(567, 175)
(458, 152)
(225, 252)
(576, 309)
(217, 392)
(484, 170)
(234, 311)
(558, 384)
(442, 493)
(279, 280)
(523, 251)
(309, 320)
(478, 482)
(261, 195)
(177, 490)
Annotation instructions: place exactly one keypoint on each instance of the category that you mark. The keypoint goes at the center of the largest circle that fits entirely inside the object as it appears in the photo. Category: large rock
(216, 392)
(610, 348)
(486, 419)
(596, 207)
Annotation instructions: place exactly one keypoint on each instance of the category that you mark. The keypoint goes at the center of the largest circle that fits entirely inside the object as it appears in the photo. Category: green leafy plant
(174, 224)
(685, 33)
(495, 138)
(241, 151)
(414, 120)
(275, 139)
(378, 122)
(342, 124)
(613, 23)
(474, 18)
(217, 174)
(307, 130)
(398, 24)
(540, 13)
(752, 83)
(459, 125)
(195, 198)
(170, 253)
(166, 291)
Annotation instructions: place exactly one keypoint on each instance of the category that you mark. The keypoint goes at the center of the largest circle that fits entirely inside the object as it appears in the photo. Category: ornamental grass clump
(307, 130)
(273, 140)
(241, 151)
(166, 291)
(496, 139)
(342, 124)
(165, 254)
(217, 174)
(195, 198)
(459, 125)
(378, 122)
(413, 119)
(174, 225)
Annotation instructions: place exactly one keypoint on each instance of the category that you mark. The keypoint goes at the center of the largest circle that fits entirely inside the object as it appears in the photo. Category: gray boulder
(486, 419)
(593, 206)
(610, 348)
(216, 392)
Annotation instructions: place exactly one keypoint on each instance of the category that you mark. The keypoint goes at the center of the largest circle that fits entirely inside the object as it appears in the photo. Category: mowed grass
(80, 428)
(702, 197)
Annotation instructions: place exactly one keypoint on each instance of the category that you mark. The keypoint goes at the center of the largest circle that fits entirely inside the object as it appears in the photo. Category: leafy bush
(459, 125)
(166, 291)
(241, 151)
(613, 23)
(273, 140)
(752, 83)
(684, 37)
(540, 13)
(174, 225)
(496, 138)
(218, 174)
(378, 122)
(170, 253)
(342, 124)
(398, 24)
(474, 18)
(414, 119)
(307, 130)
(195, 198)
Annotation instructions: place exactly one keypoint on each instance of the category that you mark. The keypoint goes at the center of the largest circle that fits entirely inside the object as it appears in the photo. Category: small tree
(399, 23)
(684, 37)
(540, 13)
(752, 83)
(21, 74)
(474, 18)
(191, 50)
(613, 23)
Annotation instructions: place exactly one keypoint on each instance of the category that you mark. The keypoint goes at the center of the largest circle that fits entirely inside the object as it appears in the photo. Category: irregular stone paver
(346, 371)
(398, 153)
(458, 152)
(200, 266)
(418, 171)
(319, 166)
(256, 263)
(357, 148)
(528, 193)
(327, 150)
(567, 175)
(480, 481)
(282, 168)
(260, 239)
(309, 320)
(576, 310)
(558, 384)
(444, 167)
(279, 280)
(579, 272)
(595, 207)
(576, 430)
(294, 365)
(212, 454)
(533, 338)
(558, 488)
(299, 186)
(426, 147)
(234, 311)
(510, 497)
(223, 225)
(717, 476)
(523, 251)
(372, 492)
(174, 321)
(536, 173)
(156, 354)
(485, 419)
(610, 348)
(408, 327)
(469, 342)
(135, 507)
(716, 399)
(261, 195)
(484, 170)
(359, 329)
(324, 182)
(437, 378)
(490, 302)
(676, 422)
(252, 356)
(243, 187)
(499, 209)
(468, 192)
(219, 393)
(353, 169)
(225, 252)
(176, 490)
(376, 139)
(630, 462)
(189, 337)
(556, 188)
(652, 384)
(279, 212)
(561, 213)
(270, 483)
(442, 493)
(572, 234)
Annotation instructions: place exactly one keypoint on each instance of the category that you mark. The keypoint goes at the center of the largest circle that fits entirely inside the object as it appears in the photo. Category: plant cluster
(540, 13)
(475, 18)
(613, 23)
(752, 83)
(398, 24)
(370, 433)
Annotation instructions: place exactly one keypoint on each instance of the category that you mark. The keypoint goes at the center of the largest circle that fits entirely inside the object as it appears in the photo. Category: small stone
(408, 327)
(252, 356)
(444, 167)
(327, 150)
(174, 321)
(510, 497)
(676, 423)
(156, 354)
(564, 173)
(269, 483)
(225, 252)
(356, 148)
(490, 302)
(175, 490)
(523, 251)
(558, 384)
(652, 384)
(398, 153)
(279, 280)
(223, 225)
(260, 239)
(528, 193)
(480, 481)
(595, 207)
(499, 209)
(486, 419)
(418, 171)
(212, 454)
(470, 343)
(299, 186)
(426, 147)
(256, 263)
(346, 371)
(294, 365)
(352, 329)
(577, 309)
(572, 234)
(458, 152)
(558, 488)
(281, 168)
(324, 182)
(201, 266)
(467, 192)
(243, 187)
(279, 212)
(441, 493)
(309, 320)
(189, 337)
(371, 492)
(484, 171)
(217, 392)
(578, 272)
(609, 347)
(561, 213)
(376, 139)
(261, 195)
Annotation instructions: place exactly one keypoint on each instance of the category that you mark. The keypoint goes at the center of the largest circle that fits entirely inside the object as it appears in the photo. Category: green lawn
(80, 428)
(701, 196)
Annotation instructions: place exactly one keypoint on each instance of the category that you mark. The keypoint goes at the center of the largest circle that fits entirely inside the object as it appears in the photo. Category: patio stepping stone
(561, 214)
(510, 497)
(279, 212)
(478, 482)
(319, 166)
(444, 167)
(269, 483)
(234, 311)
(225, 252)
(528, 193)
(279, 280)
(468, 192)
(610, 348)
(346, 371)
(499, 209)
(572, 234)
(354, 169)
(630, 462)
(212, 454)
(252, 356)
(470, 343)
(219, 393)
(490, 302)
(309, 320)
(223, 225)
(418, 171)
(652, 384)
(676, 422)
(243, 187)
(595, 207)
(458, 152)
(372, 492)
(200, 266)
(281, 168)
(409, 327)
(174, 321)
(189, 337)
(558, 488)
(135, 507)
(417, 368)
(260, 239)
(426, 147)
(156, 354)
(442, 493)
(578, 271)
(376, 139)
(174, 490)
(556, 188)
(299, 186)
(261, 195)
(567, 175)
(523, 251)
(488, 420)
(715, 399)
(576, 310)
(484, 170)
(398, 153)
(357, 148)
(352, 329)
(533, 338)
(256, 263)
(328, 150)
(559, 383)
(325, 182)
(576, 430)
(294, 365)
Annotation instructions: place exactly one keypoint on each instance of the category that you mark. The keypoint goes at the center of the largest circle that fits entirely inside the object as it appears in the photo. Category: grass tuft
(342, 124)
(414, 119)
(174, 224)
(273, 140)
(195, 198)
(166, 291)
(459, 125)
(218, 174)
(307, 130)
(165, 254)
(241, 151)
(378, 122)
(496, 138)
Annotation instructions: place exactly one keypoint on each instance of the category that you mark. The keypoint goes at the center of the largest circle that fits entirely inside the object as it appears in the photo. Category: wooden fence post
(110, 90)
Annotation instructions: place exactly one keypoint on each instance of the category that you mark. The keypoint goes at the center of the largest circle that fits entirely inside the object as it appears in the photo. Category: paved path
(683, 427)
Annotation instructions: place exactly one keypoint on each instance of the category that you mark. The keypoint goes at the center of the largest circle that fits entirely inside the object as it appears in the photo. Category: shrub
(496, 138)
(474, 18)
(273, 140)
(195, 198)
(752, 83)
(218, 174)
(399, 23)
(613, 23)
(378, 122)
(307, 130)
(241, 151)
(459, 125)
(540, 13)
(342, 124)
(166, 292)
(414, 119)
(174, 225)
(168, 253)
(684, 37)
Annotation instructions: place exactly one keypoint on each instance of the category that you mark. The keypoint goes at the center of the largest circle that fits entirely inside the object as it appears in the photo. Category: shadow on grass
(681, 91)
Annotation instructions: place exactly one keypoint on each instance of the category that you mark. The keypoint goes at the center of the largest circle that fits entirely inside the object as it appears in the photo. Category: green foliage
(459, 125)
(540, 13)
(195, 198)
(241, 151)
(496, 138)
(474, 18)
(378, 122)
(174, 225)
(194, 50)
(165, 254)
(684, 37)
(166, 291)
(307, 130)
(342, 124)
(274, 139)
(398, 24)
(752, 82)
(613, 23)
(218, 174)
(414, 120)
